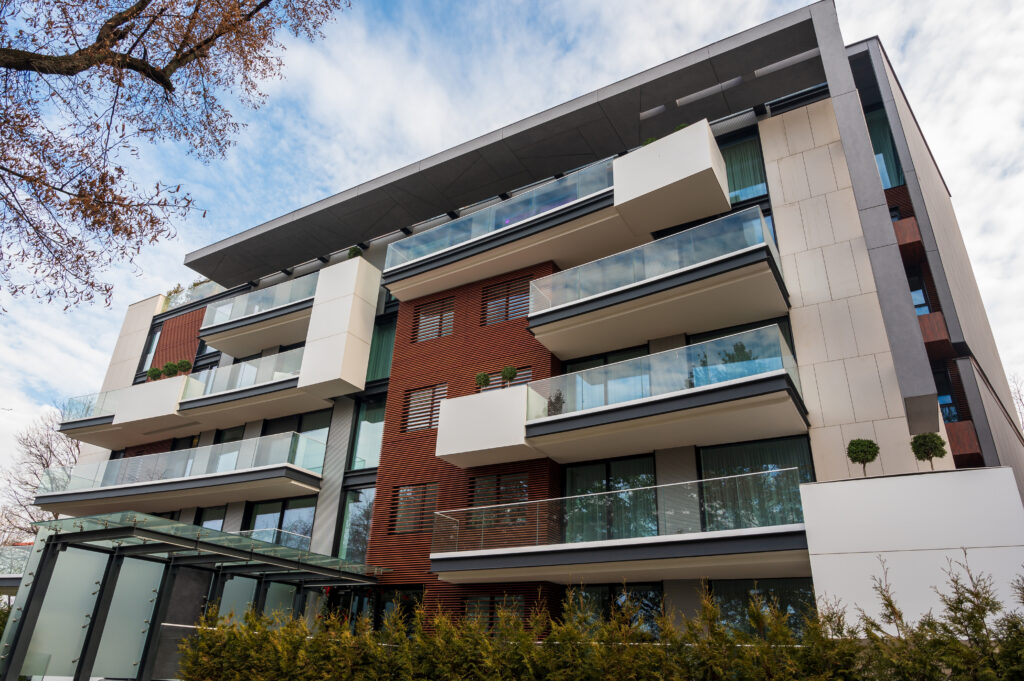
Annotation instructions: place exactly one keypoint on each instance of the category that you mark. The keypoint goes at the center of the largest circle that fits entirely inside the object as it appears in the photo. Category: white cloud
(383, 91)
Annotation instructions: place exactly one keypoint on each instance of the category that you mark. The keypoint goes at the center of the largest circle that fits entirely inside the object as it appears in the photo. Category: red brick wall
(408, 458)
(900, 197)
(149, 448)
(179, 338)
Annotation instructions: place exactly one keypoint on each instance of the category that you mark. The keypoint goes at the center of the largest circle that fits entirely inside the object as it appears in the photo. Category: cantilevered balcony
(601, 209)
(337, 331)
(269, 467)
(740, 387)
(723, 273)
(740, 526)
(276, 315)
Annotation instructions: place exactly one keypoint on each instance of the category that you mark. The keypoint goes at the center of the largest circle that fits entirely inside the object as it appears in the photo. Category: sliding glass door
(601, 505)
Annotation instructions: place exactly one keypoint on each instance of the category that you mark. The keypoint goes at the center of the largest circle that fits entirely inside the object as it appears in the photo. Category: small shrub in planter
(171, 369)
(483, 380)
(508, 374)
(862, 452)
(927, 447)
(556, 403)
(354, 252)
(184, 365)
(154, 373)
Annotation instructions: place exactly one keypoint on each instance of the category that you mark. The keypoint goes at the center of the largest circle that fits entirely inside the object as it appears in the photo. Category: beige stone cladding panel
(846, 367)
(130, 343)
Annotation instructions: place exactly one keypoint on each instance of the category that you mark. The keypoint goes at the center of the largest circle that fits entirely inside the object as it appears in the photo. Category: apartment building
(619, 345)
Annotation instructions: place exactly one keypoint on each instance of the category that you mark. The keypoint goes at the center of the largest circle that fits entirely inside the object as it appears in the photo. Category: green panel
(382, 347)
(128, 621)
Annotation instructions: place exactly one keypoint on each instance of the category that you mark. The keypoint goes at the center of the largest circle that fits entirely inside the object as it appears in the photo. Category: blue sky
(395, 81)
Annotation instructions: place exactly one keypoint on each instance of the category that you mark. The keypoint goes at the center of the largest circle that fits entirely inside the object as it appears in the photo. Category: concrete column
(233, 516)
(678, 505)
(328, 502)
(682, 598)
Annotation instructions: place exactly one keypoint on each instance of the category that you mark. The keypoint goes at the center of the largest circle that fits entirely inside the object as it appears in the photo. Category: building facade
(621, 344)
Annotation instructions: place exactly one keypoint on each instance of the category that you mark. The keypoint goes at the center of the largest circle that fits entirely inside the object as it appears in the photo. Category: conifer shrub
(973, 636)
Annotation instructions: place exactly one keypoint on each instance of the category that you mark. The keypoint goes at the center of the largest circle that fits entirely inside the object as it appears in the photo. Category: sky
(393, 82)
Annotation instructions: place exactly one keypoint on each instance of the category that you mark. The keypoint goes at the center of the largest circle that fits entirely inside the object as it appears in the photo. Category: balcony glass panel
(13, 559)
(191, 294)
(690, 248)
(737, 357)
(254, 302)
(244, 374)
(294, 448)
(280, 537)
(752, 500)
(89, 406)
(577, 185)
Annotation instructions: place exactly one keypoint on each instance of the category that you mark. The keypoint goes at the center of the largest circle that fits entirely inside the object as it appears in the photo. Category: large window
(433, 320)
(288, 522)
(744, 168)
(423, 407)
(918, 291)
(149, 350)
(369, 435)
(504, 301)
(413, 508)
(355, 524)
(733, 503)
(615, 388)
(944, 387)
(598, 516)
(225, 459)
(601, 599)
(485, 607)
(888, 162)
(211, 518)
(794, 595)
(382, 347)
(496, 490)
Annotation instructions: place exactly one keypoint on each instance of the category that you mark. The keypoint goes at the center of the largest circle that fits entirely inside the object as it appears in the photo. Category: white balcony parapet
(267, 369)
(262, 300)
(285, 448)
(739, 357)
(735, 503)
(689, 249)
(530, 204)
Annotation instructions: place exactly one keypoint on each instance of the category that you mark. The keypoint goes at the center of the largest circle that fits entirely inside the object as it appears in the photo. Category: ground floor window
(486, 607)
(794, 595)
(602, 599)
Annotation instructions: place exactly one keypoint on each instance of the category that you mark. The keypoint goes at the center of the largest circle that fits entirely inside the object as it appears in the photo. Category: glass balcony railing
(244, 374)
(577, 185)
(272, 535)
(688, 249)
(254, 302)
(89, 406)
(752, 500)
(192, 294)
(294, 448)
(14, 558)
(720, 361)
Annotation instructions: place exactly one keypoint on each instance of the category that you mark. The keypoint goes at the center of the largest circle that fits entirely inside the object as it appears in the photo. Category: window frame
(426, 418)
(419, 510)
(501, 296)
(437, 313)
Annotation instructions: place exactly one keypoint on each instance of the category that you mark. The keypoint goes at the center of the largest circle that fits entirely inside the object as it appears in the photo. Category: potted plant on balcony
(556, 403)
(863, 452)
(183, 365)
(354, 252)
(483, 380)
(171, 369)
(928, 447)
(154, 373)
(508, 374)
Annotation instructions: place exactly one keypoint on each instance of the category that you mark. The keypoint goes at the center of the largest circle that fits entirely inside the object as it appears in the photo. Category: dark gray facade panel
(85, 423)
(972, 391)
(328, 502)
(721, 546)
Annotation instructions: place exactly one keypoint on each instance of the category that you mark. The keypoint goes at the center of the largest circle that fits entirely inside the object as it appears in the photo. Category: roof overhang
(763, 63)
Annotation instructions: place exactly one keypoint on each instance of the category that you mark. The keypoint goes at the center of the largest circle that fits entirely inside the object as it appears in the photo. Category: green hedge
(974, 638)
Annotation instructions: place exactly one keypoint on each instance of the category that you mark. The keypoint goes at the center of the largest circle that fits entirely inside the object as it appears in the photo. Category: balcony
(733, 527)
(604, 208)
(269, 467)
(740, 387)
(720, 274)
(276, 315)
(133, 415)
(333, 362)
